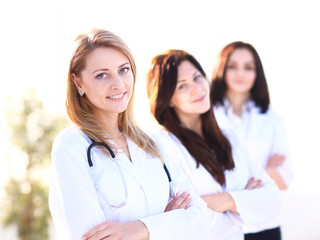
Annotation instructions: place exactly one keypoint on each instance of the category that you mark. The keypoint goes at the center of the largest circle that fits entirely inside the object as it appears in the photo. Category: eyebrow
(106, 69)
(196, 72)
(193, 75)
(232, 61)
(181, 81)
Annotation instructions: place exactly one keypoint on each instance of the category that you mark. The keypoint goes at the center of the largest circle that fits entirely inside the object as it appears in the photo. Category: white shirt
(263, 135)
(255, 206)
(77, 204)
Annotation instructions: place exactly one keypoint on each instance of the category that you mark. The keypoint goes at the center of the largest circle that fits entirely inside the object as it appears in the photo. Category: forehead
(185, 69)
(241, 55)
(105, 57)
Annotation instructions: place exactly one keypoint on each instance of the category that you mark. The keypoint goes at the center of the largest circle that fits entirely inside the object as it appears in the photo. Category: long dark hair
(259, 92)
(213, 151)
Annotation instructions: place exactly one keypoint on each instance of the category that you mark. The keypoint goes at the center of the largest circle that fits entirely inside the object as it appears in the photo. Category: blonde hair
(80, 109)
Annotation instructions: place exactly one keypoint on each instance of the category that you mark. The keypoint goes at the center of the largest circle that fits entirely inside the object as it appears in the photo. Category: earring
(80, 92)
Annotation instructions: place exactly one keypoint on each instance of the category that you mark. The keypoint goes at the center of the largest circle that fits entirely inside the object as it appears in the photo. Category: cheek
(177, 100)
(252, 78)
(206, 86)
(228, 75)
(129, 83)
(228, 79)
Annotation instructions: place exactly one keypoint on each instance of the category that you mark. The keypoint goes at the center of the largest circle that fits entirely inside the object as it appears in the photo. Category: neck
(237, 101)
(192, 123)
(110, 124)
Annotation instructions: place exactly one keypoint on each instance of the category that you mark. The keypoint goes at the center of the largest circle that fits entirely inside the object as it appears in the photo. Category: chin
(202, 111)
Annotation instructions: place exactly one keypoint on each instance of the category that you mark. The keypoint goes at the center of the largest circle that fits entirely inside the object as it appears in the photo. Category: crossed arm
(223, 201)
(135, 230)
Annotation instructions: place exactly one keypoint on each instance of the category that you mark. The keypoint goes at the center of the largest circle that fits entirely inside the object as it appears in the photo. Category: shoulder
(271, 115)
(169, 145)
(70, 137)
(160, 135)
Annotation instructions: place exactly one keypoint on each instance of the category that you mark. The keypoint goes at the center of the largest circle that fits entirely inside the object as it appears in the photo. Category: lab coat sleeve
(73, 201)
(258, 205)
(280, 146)
(192, 223)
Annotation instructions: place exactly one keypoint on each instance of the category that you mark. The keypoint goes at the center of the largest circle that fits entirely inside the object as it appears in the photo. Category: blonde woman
(109, 180)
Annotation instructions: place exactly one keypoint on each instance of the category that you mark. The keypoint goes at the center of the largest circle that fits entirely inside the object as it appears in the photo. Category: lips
(117, 97)
(239, 81)
(199, 99)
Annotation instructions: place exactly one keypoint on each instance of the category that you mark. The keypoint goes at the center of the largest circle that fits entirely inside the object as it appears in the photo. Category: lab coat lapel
(254, 123)
(141, 162)
(133, 167)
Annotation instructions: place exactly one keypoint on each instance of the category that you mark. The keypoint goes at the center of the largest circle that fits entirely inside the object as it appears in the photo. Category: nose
(195, 89)
(117, 82)
(240, 71)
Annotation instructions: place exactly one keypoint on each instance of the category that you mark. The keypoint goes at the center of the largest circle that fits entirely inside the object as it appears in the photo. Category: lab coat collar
(247, 106)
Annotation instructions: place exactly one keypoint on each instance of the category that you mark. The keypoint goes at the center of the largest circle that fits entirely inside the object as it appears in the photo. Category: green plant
(26, 196)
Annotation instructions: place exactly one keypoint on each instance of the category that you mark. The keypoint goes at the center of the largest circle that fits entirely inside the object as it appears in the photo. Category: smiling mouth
(199, 99)
(117, 97)
(239, 81)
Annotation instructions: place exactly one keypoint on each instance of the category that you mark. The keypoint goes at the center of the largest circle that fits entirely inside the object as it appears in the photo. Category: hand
(252, 184)
(275, 160)
(117, 230)
(220, 202)
(180, 201)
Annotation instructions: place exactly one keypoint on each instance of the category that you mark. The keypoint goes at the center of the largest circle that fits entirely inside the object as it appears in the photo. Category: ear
(76, 81)
(170, 104)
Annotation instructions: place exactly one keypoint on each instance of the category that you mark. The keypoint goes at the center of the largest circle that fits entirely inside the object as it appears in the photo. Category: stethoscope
(124, 202)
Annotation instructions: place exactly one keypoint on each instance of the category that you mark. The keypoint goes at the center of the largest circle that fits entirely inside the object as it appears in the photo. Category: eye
(124, 70)
(231, 67)
(197, 77)
(182, 86)
(101, 76)
(250, 68)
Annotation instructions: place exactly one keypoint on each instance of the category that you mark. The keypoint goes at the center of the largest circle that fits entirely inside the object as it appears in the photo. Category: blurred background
(37, 42)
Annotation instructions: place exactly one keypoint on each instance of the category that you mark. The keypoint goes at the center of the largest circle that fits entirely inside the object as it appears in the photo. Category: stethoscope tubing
(93, 144)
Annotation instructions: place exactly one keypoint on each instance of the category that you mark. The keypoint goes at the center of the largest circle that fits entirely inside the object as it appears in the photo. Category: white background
(37, 41)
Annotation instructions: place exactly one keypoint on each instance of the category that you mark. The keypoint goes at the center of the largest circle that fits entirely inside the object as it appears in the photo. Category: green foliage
(26, 200)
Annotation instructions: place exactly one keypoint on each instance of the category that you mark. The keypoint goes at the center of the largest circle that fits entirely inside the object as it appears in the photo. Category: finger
(281, 160)
(170, 204)
(95, 230)
(185, 203)
(255, 184)
(252, 183)
(251, 180)
(104, 234)
(178, 201)
(276, 160)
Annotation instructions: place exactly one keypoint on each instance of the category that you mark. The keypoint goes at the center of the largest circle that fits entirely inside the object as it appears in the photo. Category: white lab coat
(263, 135)
(77, 205)
(255, 206)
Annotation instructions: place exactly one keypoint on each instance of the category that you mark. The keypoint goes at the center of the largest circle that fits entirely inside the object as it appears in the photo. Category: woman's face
(240, 72)
(191, 96)
(107, 81)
